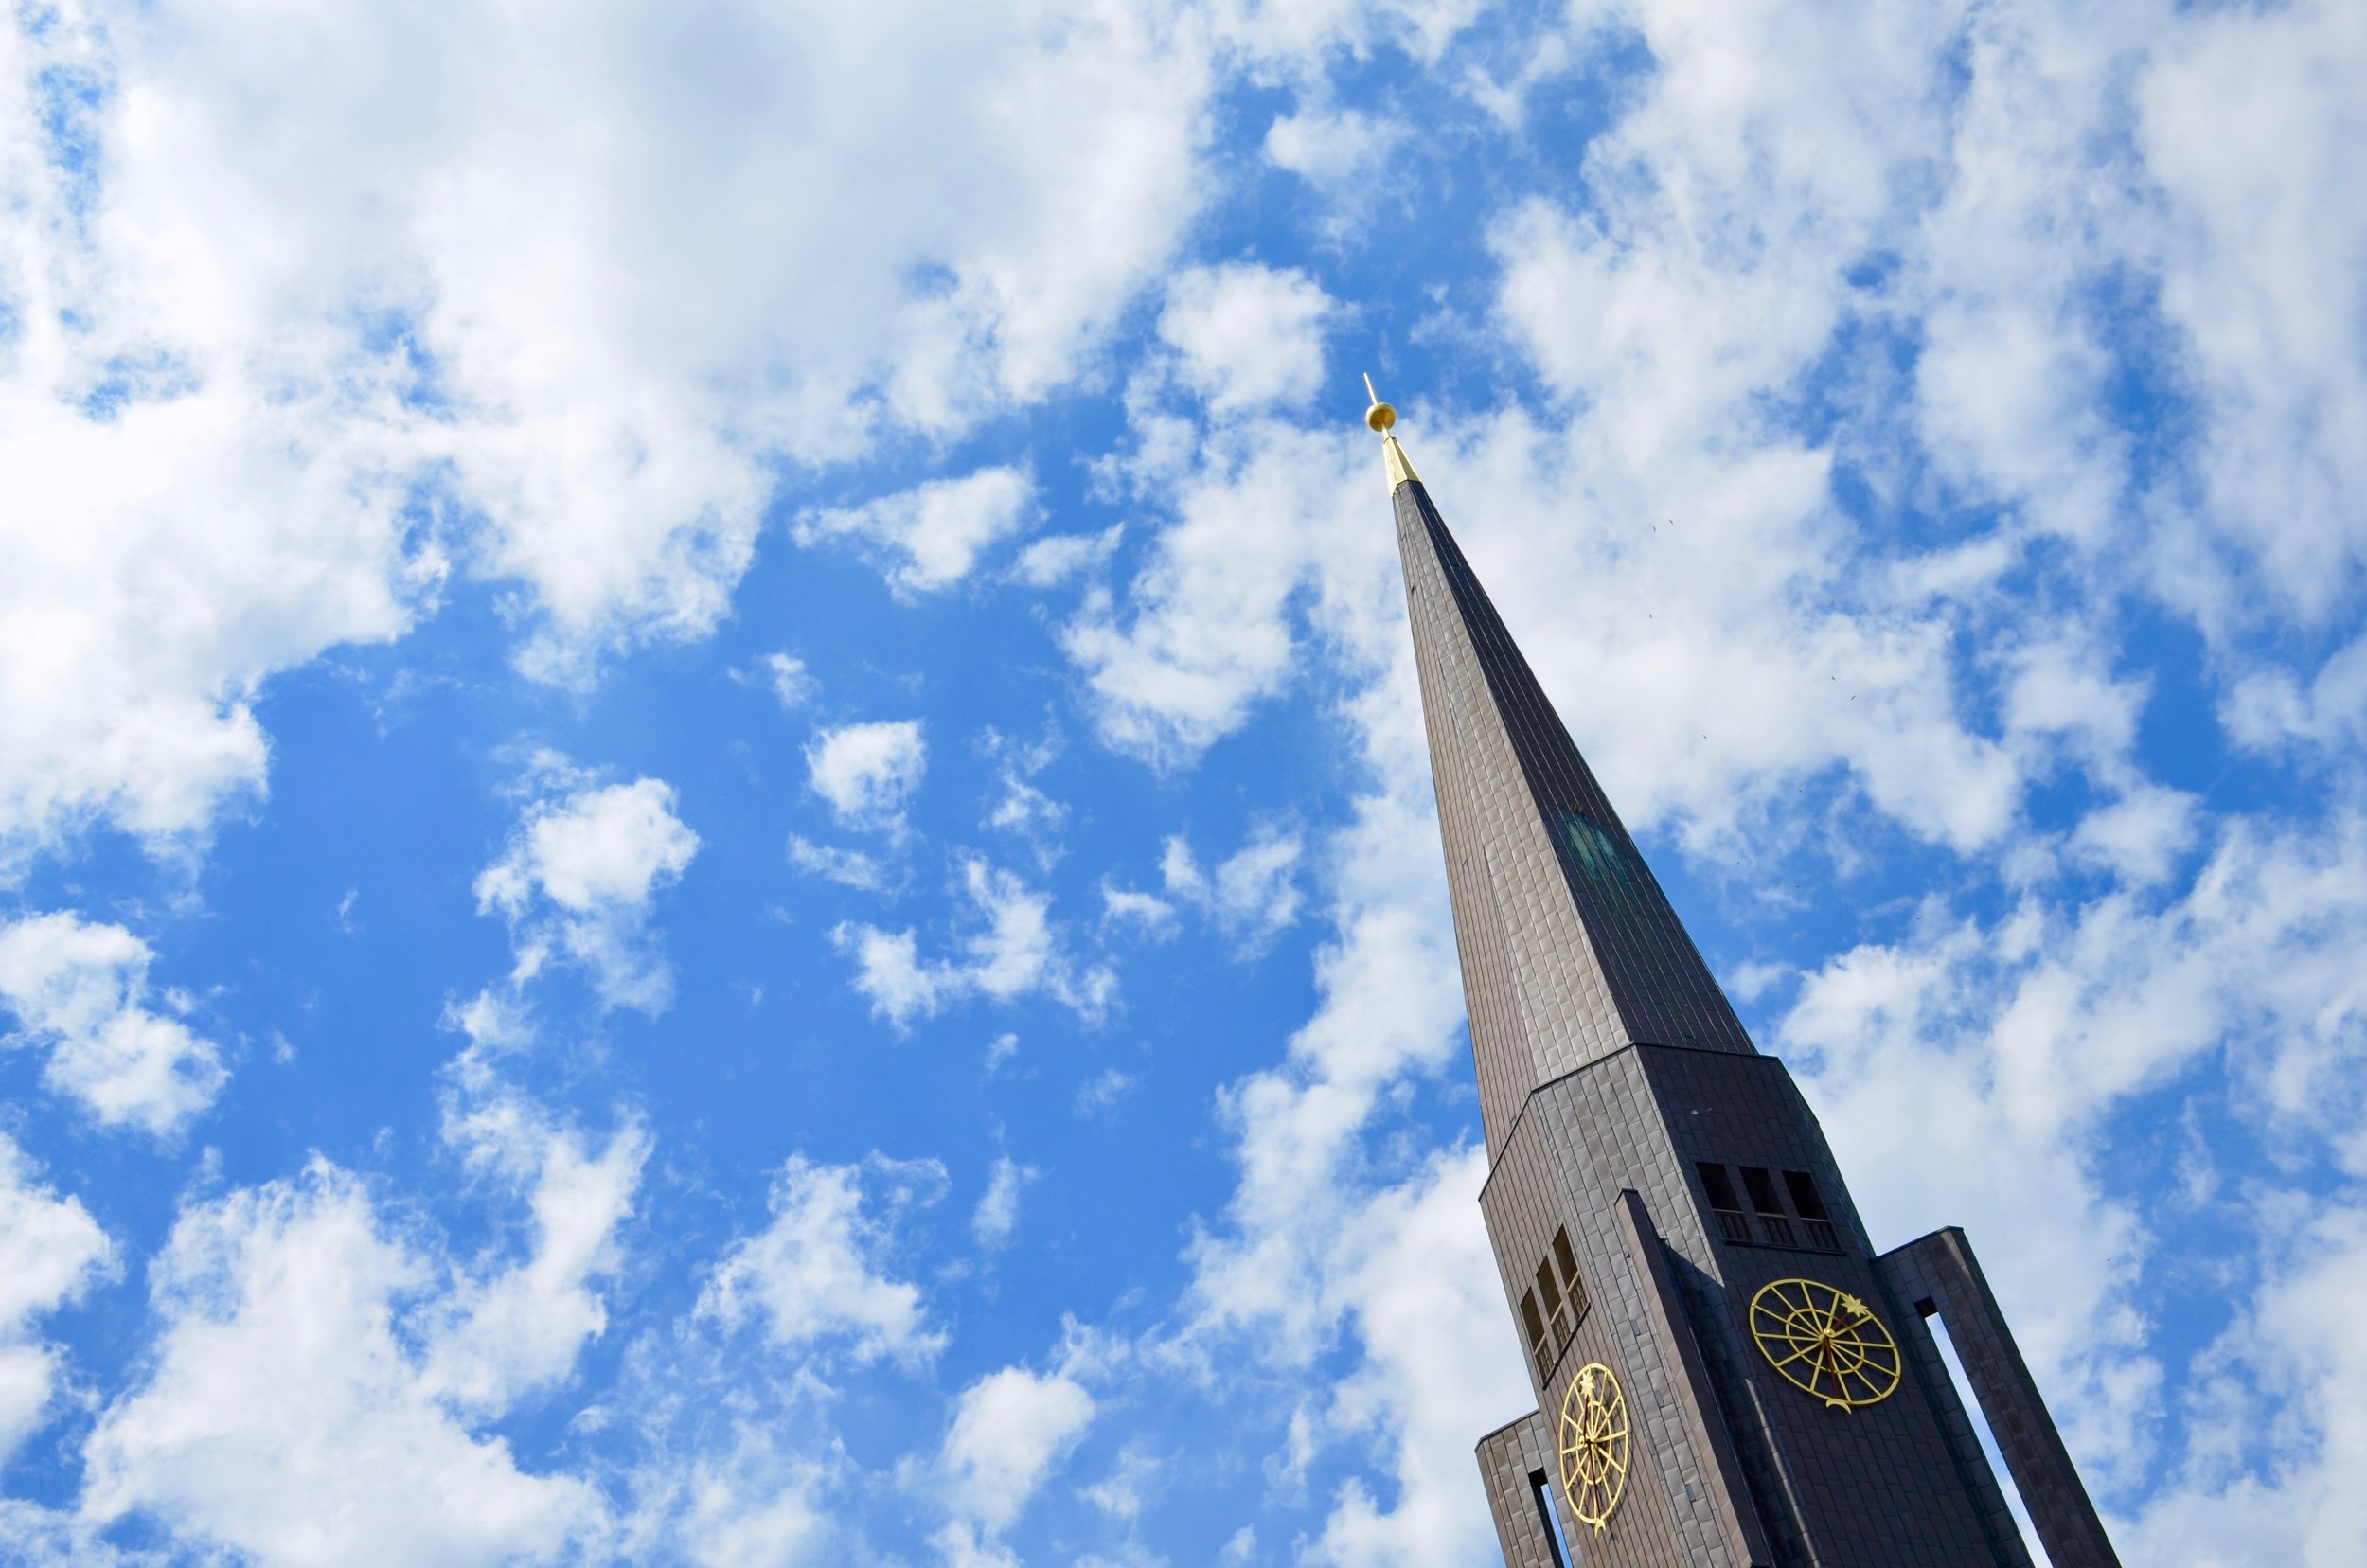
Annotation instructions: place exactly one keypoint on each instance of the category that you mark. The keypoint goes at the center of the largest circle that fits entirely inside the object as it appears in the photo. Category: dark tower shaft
(1570, 950)
(1663, 1205)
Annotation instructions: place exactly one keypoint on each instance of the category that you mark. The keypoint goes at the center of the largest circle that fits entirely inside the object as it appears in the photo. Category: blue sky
(714, 842)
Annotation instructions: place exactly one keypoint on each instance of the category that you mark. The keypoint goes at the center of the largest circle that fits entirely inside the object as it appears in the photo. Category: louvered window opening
(1755, 1215)
(1552, 1308)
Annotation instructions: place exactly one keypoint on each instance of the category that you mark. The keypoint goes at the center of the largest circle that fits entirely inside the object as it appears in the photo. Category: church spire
(1570, 950)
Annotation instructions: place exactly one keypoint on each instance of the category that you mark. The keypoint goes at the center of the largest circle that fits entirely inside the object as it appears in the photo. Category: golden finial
(1382, 418)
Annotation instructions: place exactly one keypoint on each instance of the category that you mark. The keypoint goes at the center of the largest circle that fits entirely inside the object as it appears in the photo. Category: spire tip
(1382, 420)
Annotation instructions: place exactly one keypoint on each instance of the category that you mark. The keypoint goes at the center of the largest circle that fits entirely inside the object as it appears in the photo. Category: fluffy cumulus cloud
(1010, 1430)
(1011, 948)
(816, 1277)
(166, 562)
(51, 1251)
(1247, 336)
(79, 991)
(931, 536)
(1205, 630)
(1332, 148)
(288, 1416)
(867, 772)
(580, 875)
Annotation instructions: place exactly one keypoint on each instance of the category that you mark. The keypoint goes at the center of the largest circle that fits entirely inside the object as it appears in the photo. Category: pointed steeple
(1570, 950)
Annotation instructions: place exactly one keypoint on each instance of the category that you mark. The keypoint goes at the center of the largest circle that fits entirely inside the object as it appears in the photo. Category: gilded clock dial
(1594, 1444)
(1826, 1341)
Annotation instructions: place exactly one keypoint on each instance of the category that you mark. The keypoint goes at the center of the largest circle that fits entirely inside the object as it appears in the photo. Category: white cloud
(1056, 557)
(1206, 633)
(1250, 336)
(1253, 894)
(868, 773)
(1332, 148)
(2269, 708)
(2139, 836)
(1101, 1093)
(2013, 1040)
(996, 1214)
(1011, 1429)
(580, 876)
(959, 1545)
(747, 1506)
(1020, 807)
(1013, 949)
(792, 683)
(933, 534)
(81, 990)
(848, 868)
(496, 1338)
(163, 566)
(1119, 1494)
(816, 1277)
(1146, 913)
(178, 531)
(1027, 810)
(496, 1019)
(51, 1251)
(284, 1415)
(265, 392)
(1298, 35)
(1415, 1271)
(2273, 1482)
(619, 346)
(2247, 121)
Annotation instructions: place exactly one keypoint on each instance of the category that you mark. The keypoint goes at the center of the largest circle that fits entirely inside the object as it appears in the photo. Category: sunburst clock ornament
(1826, 1341)
(1594, 1444)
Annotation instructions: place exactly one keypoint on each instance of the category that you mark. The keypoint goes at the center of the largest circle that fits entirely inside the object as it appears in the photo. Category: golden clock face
(1826, 1341)
(1594, 1444)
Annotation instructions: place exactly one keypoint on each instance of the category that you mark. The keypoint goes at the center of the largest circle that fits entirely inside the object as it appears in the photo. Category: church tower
(1727, 1375)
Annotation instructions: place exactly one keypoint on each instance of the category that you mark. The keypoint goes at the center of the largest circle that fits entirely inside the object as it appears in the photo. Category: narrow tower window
(1811, 1206)
(1567, 1260)
(1724, 1203)
(1540, 1349)
(1771, 1217)
(1557, 1310)
(1542, 1489)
